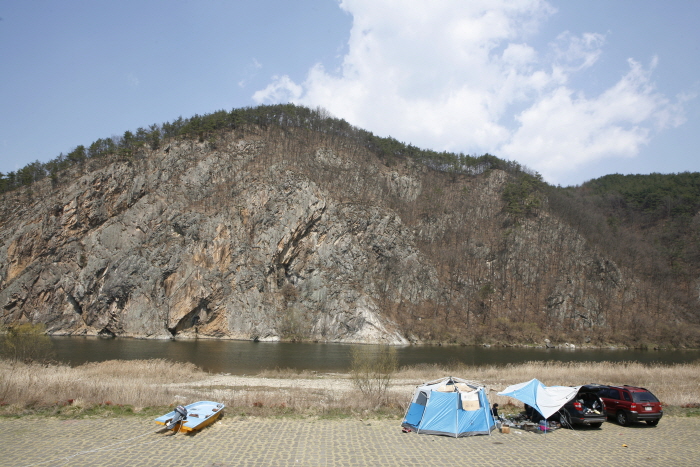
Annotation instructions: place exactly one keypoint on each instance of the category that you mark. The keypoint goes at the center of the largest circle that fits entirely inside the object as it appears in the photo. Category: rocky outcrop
(274, 236)
(195, 242)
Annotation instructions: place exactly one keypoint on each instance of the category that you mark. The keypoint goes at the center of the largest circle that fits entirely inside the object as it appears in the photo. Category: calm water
(243, 357)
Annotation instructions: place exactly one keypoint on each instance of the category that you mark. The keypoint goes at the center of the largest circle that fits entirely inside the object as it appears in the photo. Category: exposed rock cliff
(285, 235)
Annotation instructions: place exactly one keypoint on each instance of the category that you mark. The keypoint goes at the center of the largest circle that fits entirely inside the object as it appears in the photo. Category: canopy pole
(459, 407)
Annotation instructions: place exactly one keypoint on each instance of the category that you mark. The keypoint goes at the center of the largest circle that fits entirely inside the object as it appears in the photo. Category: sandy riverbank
(159, 383)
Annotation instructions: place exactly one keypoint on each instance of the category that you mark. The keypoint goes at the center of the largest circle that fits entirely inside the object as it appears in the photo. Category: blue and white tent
(451, 407)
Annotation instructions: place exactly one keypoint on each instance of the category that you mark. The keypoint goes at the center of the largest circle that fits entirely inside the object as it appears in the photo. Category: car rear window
(644, 397)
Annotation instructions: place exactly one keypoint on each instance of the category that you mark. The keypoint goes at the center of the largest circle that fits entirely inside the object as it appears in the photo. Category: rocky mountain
(270, 232)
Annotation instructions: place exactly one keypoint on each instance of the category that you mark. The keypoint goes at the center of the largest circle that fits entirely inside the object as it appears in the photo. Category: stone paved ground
(235, 441)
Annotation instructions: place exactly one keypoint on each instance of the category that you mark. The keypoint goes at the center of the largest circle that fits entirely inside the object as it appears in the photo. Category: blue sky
(573, 90)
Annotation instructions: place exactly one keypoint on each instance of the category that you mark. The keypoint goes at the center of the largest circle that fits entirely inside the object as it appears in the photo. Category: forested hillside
(211, 127)
(280, 222)
(647, 223)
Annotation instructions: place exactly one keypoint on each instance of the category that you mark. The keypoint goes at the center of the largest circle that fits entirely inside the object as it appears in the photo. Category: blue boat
(192, 417)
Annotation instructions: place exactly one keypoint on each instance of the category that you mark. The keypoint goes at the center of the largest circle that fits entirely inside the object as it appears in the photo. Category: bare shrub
(289, 292)
(25, 343)
(294, 324)
(371, 371)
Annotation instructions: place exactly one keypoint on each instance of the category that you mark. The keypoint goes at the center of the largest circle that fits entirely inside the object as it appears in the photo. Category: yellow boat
(192, 417)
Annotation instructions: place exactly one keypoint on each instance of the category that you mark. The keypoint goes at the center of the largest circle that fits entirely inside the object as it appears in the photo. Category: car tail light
(578, 406)
(633, 406)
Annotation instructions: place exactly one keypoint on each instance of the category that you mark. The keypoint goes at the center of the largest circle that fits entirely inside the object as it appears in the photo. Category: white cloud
(577, 53)
(563, 130)
(282, 89)
(461, 76)
(249, 73)
(133, 80)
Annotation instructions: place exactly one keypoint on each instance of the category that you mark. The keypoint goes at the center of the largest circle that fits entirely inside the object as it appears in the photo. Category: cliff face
(198, 242)
(286, 235)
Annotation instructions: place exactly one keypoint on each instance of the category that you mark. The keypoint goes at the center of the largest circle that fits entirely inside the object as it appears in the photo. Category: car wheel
(596, 425)
(622, 418)
(652, 422)
(565, 419)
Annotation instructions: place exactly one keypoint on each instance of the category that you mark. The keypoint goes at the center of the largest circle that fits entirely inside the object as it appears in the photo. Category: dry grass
(137, 383)
(158, 383)
(673, 384)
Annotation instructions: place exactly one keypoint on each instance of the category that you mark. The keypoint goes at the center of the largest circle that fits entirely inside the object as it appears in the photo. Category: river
(245, 357)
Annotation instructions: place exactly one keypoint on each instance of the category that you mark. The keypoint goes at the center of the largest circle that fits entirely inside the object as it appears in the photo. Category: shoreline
(557, 346)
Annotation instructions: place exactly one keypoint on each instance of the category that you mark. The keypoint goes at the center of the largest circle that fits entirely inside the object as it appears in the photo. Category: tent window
(422, 398)
(470, 400)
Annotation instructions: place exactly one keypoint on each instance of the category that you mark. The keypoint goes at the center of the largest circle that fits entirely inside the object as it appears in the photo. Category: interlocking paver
(236, 441)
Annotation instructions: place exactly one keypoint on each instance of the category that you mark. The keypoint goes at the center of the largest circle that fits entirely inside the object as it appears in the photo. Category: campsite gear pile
(521, 422)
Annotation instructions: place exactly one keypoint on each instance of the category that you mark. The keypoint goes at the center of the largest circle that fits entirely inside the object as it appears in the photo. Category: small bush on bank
(25, 343)
(371, 371)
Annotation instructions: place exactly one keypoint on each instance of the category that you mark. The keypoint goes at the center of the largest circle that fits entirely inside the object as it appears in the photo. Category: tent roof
(450, 380)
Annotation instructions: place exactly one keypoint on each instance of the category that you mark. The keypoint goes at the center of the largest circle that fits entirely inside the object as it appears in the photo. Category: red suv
(631, 404)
